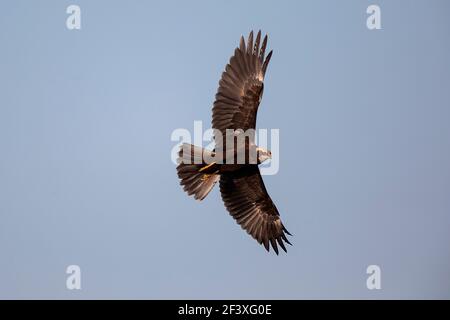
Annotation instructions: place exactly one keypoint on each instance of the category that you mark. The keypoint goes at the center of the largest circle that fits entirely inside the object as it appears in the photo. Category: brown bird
(241, 185)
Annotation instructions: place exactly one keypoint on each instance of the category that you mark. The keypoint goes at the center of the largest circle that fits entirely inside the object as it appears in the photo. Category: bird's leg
(207, 167)
(206, 176)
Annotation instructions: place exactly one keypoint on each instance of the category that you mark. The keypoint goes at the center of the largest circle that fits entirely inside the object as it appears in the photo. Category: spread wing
(241, 87)
(248, 202)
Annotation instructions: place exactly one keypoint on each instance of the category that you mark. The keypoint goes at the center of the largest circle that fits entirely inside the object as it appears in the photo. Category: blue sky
(85, 171)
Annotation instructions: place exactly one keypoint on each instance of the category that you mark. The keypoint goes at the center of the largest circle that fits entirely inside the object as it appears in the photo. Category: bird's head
(263, 154)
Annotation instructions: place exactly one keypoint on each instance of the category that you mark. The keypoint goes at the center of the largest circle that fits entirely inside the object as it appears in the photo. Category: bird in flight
(241, 186)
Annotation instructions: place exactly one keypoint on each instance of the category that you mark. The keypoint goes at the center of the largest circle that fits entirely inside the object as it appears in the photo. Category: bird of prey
(241, 185)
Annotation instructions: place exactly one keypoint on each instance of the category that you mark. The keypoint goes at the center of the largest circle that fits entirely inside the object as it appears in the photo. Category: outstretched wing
(241, 87)
(248, 202)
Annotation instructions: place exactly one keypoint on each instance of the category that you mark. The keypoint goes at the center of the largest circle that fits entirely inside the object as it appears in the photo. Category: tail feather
(194, 181)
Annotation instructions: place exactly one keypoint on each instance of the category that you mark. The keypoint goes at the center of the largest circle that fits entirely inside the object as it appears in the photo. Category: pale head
(263, 154)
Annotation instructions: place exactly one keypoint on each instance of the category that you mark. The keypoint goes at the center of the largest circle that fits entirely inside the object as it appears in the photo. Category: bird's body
(234, 161)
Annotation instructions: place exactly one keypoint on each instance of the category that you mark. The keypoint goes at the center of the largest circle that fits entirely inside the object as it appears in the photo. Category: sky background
(86, 177)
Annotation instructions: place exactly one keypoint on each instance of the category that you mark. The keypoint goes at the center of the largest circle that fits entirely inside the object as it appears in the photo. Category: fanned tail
(197, 177)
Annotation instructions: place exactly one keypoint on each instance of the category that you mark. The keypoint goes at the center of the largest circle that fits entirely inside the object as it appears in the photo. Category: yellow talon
(206, 167)
(205, 176)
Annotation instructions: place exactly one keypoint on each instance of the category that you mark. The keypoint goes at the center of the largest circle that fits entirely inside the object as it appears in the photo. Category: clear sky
(85, 171)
